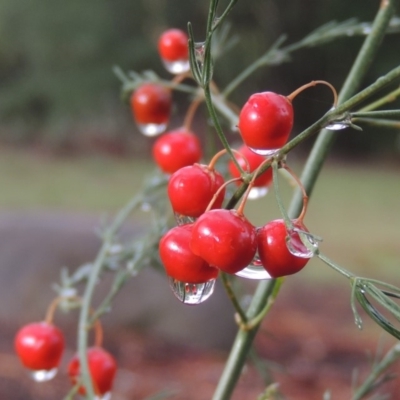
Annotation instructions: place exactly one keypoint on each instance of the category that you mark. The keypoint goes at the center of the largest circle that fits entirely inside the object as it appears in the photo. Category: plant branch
(370, 383)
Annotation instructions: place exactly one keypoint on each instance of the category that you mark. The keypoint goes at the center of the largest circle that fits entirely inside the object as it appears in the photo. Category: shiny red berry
(273, 249)
(265, 121)
(254, 161)
(102, 368)
(151, 104)
(39, 346)
(225, 239)
(190, 189)
(173, 45)
(179, 261)
(176, 149)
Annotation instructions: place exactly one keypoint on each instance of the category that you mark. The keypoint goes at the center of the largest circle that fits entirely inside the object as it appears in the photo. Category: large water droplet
(297, 247)
(44, 375)
(176, 67)
(192, 293)
(151, 130)
(254, 271)
(264, 152)
(257, 192)
(183, 219)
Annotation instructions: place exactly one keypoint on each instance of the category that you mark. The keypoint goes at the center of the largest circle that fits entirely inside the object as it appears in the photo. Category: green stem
(232, 297)
(242, 344)
(379, 123)
(244, 339)
(326, 138)
(377, 114)
(335, 266)
(83, 325)
(392, 96)
(370, 383)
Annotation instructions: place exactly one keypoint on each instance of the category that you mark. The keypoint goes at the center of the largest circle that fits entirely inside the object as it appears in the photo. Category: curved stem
(187, 122)
(292, 95)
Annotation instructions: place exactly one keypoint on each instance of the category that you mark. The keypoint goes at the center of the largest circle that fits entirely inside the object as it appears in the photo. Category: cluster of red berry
(209, 239)
(40, 346)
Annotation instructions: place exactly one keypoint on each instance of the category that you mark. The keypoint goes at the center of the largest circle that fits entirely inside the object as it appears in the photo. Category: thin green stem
(370, 383)
(217, 125)
(334, 265)
(377, 114)
(326, 138)
(242, 344)
(392, 96)
(231, 294)
(83, 324)
(379, 123)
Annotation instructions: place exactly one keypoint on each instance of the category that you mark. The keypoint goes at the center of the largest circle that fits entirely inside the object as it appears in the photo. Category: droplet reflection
(192, 293)
(44, 375)
(151, 130)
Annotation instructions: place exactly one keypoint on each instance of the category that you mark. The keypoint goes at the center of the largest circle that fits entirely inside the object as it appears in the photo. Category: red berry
(176, 149)
(265, 121)
(190, 189)
(151, 104)
(254, 160)
(39, 346)
(225, 239)
(173, 45)
(179, 261)
(274, 253)
(102, 368)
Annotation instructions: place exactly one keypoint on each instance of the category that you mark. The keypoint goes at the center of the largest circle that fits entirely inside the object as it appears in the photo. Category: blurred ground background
(70, 155)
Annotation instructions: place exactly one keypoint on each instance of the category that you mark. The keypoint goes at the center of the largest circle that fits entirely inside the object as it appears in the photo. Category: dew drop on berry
(296, 246)
(183, 219)
(151, 130)
(44, 375)
(257, 192)
(105, 396)
(176, 67)
(192, 293)
(264, 152)
(255, 270)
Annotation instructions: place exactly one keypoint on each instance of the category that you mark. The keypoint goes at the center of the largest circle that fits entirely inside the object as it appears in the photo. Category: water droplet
(297, 247)
(216, 21)
(254, 271)
(44, 375)
(105, 396)
(145, 207)
(199, 51)
(358, 322)
(264, 152)
(340, 123)
(183, 219)
(151, 130)
(192, 293)
(176, 67)
(115, 249)
(257, 192)
(366, 29)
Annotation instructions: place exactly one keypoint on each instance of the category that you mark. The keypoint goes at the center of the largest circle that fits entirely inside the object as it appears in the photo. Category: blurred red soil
(309, 339)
